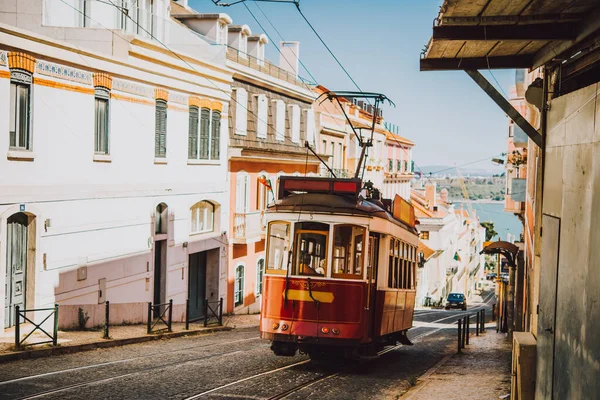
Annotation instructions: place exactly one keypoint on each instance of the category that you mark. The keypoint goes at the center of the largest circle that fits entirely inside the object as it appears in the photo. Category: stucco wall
(572, 194)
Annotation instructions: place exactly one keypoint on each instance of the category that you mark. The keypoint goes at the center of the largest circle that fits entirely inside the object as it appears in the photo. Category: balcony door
(242, 193)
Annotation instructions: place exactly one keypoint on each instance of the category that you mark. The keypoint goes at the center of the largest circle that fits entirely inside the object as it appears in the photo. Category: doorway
(15, 283)
(197, 284)
(160, 274)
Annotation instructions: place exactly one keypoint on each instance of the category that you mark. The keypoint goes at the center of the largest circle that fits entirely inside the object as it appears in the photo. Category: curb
(75, 348)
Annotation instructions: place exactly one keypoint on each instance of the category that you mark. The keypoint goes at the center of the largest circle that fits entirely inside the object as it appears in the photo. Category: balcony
(264, 66)
(248, 227)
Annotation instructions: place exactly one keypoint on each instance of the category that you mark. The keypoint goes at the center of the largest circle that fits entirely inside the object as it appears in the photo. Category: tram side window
(348, 251)
(310, 256)
(402, 265)
(278, 246)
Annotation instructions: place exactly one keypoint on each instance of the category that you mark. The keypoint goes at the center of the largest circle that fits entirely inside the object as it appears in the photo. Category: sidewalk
(481, 371)
(74, 341)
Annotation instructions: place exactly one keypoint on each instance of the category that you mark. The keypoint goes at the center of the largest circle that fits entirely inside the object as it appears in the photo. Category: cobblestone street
(235, 365)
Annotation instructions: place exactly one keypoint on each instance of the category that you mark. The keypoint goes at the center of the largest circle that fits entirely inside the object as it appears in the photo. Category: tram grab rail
(38, 327)
(168, 308)
(464, 325)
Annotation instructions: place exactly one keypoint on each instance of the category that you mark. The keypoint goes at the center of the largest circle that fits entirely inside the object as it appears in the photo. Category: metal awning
(491, 34)
(471, 35)
(507, 249)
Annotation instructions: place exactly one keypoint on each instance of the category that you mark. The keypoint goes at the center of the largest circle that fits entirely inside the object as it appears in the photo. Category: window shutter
(241, 108)
(160, 143)
(215, 137)
(193, 134)
(295, 123)
(240, 192)
(204, 133)
(310, 125)
(261, 116)
(280, 120)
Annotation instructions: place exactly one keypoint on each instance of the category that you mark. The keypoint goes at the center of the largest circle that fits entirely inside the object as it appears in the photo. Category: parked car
(491, 276)
(456, 300)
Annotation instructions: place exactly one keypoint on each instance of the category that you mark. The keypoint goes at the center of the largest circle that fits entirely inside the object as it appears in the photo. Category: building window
(391, 165)
(424, 235)
(204, 142)
(260, 272)
(193, 133)
(160, 218)
(295, 123)
(215, 136)
(261, 116)
(279, 120)
(399, 165)
(324, 149)
(242, 193)
(203, 217)
(20, 110)
(160, 129)
(406, 165)
(241, 108)
(238, 296)
(101, 121)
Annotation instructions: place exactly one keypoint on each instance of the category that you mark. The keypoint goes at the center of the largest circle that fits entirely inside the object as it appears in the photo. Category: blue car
(456, 300)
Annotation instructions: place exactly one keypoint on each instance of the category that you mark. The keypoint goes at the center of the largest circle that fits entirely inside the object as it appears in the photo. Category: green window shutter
(193, 134)
(204, 133)
(160, 138)
(215, 137)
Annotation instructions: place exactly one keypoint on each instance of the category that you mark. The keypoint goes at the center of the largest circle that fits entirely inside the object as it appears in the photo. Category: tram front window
(348, 250)
(311, 249)
(278, 245)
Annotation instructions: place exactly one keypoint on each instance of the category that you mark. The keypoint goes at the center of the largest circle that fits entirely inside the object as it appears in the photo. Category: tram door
(372, 278)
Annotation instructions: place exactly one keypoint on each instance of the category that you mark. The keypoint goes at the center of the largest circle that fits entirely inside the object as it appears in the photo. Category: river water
(504, 222)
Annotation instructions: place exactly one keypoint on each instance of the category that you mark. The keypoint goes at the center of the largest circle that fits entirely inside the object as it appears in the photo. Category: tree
(490, 232)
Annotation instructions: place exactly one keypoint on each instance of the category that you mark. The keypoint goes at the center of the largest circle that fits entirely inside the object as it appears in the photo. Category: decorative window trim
(102, 93)
(238, 301)
(20, 77)
(161, 105)
(201, 205)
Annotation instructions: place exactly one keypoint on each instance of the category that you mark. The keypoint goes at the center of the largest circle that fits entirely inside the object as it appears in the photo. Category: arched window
(260, 272)
(203, 217)
(160, 218)
(238, 297)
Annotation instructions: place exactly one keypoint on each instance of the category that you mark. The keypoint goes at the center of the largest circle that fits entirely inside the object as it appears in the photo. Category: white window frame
(279, 120)
(238, 287)
(202, 214)
(262, 115)
(20, 79)
(260, 273)
(241, 111)
(242, 193)
(310, 126)
(102, 95)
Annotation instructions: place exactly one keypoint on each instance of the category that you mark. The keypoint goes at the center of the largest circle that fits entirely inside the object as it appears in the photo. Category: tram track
(122, 361)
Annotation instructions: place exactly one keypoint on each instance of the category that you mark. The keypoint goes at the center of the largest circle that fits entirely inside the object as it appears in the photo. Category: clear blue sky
(446, 114)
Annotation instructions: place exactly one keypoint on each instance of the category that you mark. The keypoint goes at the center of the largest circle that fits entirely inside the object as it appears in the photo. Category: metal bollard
(55, 338)
(493, 312)
(187, 314)
(205, 312)
(17, 327)
(482, 321)
(221, 312)
(106, 319)
(464, 332)
(477, 323)
(149, 318)
(459, 335)
(171, 315)
(467, 328)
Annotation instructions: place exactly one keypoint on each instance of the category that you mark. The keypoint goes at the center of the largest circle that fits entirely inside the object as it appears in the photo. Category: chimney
(430, 194)
(444, 195)
(290, 56)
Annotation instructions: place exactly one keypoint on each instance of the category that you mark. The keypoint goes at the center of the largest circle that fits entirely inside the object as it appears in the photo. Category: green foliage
(490, 232)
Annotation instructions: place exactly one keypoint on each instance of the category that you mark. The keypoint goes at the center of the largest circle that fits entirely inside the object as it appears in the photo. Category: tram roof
(335, 204)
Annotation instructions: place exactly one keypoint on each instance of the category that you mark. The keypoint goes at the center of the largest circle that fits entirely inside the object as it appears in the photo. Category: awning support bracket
(505, 106)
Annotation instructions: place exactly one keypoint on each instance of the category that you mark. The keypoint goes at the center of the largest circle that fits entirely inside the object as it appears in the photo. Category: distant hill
(440, 170)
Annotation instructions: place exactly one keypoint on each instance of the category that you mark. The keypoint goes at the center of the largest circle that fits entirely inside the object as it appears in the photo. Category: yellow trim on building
(63, 86)
(161, 94)
(4, 74)
(216, 105)
(102, 79)
(131, 99)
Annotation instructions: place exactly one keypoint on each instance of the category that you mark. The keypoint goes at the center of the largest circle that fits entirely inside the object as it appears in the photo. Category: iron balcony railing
(263, 65)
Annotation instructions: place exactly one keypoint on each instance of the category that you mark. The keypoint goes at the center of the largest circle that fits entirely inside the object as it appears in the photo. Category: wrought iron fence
(213, 312)
(167, 308)
(38, 327)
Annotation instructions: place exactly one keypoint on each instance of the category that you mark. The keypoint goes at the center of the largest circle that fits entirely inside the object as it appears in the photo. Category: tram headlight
(325, 330)
(335, 331)
(275, 326)
(284, 327)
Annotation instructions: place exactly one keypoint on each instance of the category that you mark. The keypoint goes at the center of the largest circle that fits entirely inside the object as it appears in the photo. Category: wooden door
(16, 267)
(197, 284)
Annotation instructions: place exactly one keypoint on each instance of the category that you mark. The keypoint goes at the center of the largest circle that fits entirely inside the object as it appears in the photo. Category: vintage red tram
(340, 269)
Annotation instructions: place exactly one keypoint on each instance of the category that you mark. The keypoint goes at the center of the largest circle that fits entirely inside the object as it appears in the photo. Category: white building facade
(114, 182)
